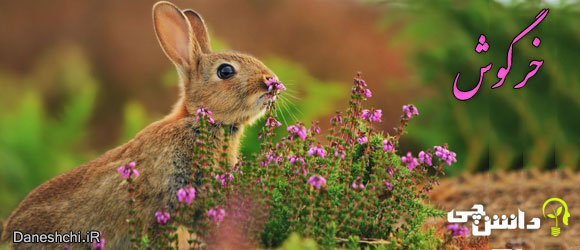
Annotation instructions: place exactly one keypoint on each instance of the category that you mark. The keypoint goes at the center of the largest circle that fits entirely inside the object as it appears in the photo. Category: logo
(488, 223)
(556, 230)
(483, 225)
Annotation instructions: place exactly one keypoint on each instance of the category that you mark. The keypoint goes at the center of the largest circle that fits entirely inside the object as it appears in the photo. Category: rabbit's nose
(267, 77)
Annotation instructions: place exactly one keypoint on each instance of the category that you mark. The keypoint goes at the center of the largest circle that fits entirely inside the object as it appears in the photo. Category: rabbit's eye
(225, 71)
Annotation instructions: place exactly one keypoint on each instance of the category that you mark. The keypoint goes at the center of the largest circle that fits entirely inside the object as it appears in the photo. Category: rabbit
(93, 196)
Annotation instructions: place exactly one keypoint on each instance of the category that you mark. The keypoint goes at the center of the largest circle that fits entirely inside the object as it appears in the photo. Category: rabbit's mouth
(268, 96)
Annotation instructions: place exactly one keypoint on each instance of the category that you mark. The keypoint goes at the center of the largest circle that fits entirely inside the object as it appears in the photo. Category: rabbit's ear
(174, 33)
(200, 34)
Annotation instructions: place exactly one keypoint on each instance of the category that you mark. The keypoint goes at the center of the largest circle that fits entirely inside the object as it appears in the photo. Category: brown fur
(92, 196)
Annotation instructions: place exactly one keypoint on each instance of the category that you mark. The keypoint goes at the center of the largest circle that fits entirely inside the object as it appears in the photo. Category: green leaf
(559, 211)
(551, 216)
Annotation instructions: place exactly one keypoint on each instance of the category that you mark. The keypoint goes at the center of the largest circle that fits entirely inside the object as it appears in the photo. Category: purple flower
(336, 119)
(390, 171)
(298, 130)
(372, 115)
(318, 150)
(456, 230)
(316, 181)
(272, 122)
(66, 247)
(99, 244)
(273, 157)
(410, 110)
(274, 84)
(362, 139)
(425, 158)
(360, 82)
(186, 194)
(162, 217)
(410, 161)
(377, 115)
(294, 159)
(368, 93)
(222, 178)
(261, 183)
(304, 171)
(342, 154)
(388, 185)
(445, 154)
(315, 128)
(388, 146)
(358, 185)
(216, 214)
(202, 112)
(128, 171)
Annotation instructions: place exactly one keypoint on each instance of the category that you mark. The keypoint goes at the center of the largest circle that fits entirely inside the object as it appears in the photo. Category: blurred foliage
(295, 242)
(36, 145)
(503, 128)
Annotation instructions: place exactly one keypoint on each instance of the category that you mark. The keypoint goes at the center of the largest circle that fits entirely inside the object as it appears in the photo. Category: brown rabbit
(92, 196)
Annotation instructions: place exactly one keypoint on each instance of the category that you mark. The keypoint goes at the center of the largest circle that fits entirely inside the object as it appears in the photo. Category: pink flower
(162, 217)
(318, 150)
(342, 154)
(186, 194)
(372, 115)
(365, 114)
(410, 161)
(358, 185)
(204, 113)
(377, 115)
(271, 157)
(304, 171)
(272, 122)
(298, 130)
(362, 140)
(456, 230)
(128, 171)
(216, 214)
(368, 93)
(274, 84)
(316, 181)
(445, 154)
(315, 128)
(388, 146)
(410, 110)
(100, 243)
(66, 247)
(388, 185)
(425, 157)
(294, 159)
(360, 82)
(222, 178)
(336, 119)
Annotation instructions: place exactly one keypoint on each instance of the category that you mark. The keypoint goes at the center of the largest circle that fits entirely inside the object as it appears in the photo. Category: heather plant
(348, 189)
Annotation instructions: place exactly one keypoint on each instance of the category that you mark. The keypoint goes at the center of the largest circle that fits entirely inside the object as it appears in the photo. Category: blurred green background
(78, 78)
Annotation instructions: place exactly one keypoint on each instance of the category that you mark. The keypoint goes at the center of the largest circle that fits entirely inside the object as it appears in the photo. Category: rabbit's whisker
(289, 107)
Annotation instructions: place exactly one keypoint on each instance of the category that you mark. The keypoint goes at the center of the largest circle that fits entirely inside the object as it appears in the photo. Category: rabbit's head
(230, 84)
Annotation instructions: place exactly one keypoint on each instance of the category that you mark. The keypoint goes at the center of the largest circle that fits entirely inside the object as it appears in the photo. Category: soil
(502, 193)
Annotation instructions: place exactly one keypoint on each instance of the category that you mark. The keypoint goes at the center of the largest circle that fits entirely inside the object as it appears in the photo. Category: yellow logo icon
(556, 230)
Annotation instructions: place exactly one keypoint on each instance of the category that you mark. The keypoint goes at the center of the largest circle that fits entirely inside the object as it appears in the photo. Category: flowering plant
(348, 189)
